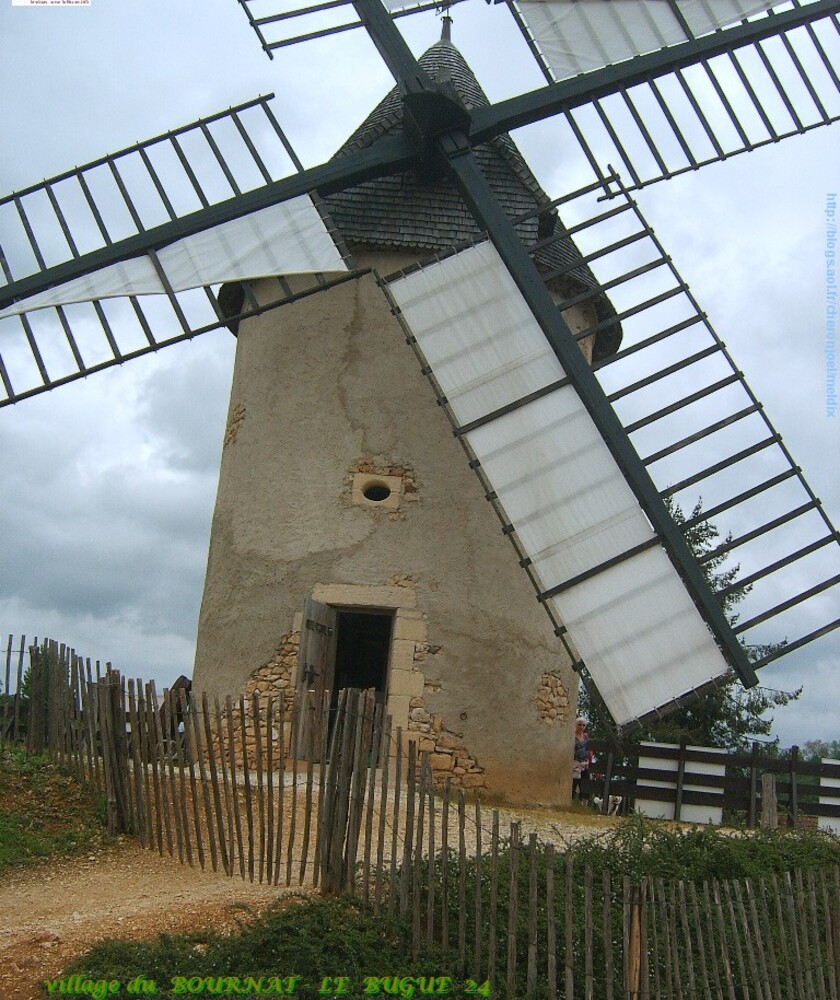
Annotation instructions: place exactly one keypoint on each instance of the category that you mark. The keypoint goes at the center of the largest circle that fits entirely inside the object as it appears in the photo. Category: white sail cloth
(634, 623)
(289, 238)
(576, 36)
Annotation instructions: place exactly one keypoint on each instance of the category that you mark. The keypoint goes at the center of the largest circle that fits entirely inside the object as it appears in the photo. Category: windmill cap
(406, 212)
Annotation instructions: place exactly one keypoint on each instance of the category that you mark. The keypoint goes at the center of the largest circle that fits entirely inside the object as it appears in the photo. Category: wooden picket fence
(288, 795)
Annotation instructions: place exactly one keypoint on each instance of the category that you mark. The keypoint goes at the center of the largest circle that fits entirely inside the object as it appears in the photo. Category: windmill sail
(692, 98)
(290, 238)
(596, 564)
(589, 545)
(579, 37)
(579, 466)
(138, 233)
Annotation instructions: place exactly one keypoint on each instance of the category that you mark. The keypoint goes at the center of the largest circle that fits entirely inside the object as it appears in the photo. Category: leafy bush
(312, 938)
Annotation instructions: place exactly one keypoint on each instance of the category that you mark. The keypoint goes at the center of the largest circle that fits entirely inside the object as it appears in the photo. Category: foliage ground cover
(321, 938)
(43, 812)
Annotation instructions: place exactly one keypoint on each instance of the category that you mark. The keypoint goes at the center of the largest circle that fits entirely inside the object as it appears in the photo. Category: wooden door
(316, 671)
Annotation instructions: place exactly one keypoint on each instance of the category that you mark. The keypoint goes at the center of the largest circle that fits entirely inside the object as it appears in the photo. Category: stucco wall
(320, 387)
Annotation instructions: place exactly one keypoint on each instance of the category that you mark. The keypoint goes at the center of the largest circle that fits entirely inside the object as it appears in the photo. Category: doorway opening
(362, 648)
(361, 655)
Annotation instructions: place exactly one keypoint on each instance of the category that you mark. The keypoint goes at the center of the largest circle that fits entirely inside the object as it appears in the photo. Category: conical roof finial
(446, 29)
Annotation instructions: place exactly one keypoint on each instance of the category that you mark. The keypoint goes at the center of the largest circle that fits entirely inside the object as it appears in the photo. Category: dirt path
(54, 912)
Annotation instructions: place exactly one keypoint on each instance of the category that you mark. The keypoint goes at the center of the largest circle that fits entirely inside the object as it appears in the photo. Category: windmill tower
(342, 490)
(325, 516)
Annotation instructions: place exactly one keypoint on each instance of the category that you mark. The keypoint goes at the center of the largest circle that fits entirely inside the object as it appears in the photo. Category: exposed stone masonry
(274, 679)
(235, 422)
(448, 756)
(552, 699)
(379, 465)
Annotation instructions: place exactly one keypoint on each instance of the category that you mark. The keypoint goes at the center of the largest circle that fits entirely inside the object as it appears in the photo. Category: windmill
(633, 93)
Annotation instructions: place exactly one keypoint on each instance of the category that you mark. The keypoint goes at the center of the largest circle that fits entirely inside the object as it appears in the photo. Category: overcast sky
(108, 484)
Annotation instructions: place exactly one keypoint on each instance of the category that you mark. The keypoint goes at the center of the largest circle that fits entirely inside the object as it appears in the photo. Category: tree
(730, 717)
(814, 750)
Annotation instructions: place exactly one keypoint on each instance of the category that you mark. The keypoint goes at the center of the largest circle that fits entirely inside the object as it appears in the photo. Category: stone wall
(552, 699)
(449, 758)
(326, 396)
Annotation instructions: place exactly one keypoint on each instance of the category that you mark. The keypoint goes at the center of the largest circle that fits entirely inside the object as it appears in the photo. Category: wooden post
(462, 881)
(36, 723)
(340, 796)
(701, 945)
(356, 799)
(114, 756)
(417, 865)
(835, 926)
(794, 794)
(246, 779)
(118, 717)
(551, 930)
(816, 938)
(665, 923)
(493, 909)
(374, 764)
(395, 826)
(634, 939)
(531, 981)
(431, 876)
(608, 947)
(4, 733)
(297, 723)
(120, 712)
(760, 905)
(680, 780)
(513, 908)
(256, 720)
(75, 721)
(479, 926)
(410, 793)
(269, 808)
(214, 783)
(16, 732)
(588, 969)
(383, 805)
(830, 924)
(222, 755)
(444, 868)
(753, 785)
(234, 782)
(769, 803)
(281, 782)
(313, 753)
(160, 753)
(688, 963)
(107, 762)
(569, 945)
(608, 770)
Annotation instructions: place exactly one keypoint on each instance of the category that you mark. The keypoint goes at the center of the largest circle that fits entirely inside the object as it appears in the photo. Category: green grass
(314, 938)
(43, 812)
(310, 938)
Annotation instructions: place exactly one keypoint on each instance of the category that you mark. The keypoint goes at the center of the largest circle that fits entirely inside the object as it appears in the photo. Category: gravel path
(54, 912)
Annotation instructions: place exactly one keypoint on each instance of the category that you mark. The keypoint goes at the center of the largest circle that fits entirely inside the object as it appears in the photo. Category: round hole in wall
(377, 492)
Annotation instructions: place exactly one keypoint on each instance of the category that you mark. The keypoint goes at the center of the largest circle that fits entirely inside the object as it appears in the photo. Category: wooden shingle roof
(407, 212)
